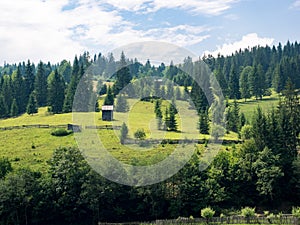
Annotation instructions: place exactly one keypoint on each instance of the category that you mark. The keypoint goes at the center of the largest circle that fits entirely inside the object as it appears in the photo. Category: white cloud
(208, 7)
(41, 30)
(248, 41)
(296, 5)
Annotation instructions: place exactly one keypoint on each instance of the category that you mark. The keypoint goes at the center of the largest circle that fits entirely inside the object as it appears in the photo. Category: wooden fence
(282, 219)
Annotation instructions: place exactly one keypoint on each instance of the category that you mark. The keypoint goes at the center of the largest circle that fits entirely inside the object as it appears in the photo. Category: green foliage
(140, 134)
(207, 213)
(122, 104)
(5, 167)
(109, 98)
(248, 212)
(40, 85)
(204, 122)
(124, 132)
(217, 131)
(32, 106)
(14, 110)
(296, 212)
(60, 132)
(123, 76)
(56, 92)
(246, 132)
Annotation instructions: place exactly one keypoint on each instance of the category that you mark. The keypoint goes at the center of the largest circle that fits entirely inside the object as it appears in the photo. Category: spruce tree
(3, 107)
(68, 102)
(172, 124)
(19, 90)
(122, 104)
(40, 85)
(29, 80)
(32, 106)
(158, 114)
(204, 122)
(124, 133)
(244, 82)
(123, 76)
(14, 110)
(109, 98)
(56, 92)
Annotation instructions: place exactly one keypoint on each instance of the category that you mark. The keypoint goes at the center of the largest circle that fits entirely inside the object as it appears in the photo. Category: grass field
(250, 106)
(32, 147)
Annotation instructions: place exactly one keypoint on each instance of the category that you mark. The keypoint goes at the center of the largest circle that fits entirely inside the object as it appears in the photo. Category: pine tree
(19, 90)
(204, 122)
(109, 98)
(32, 106)
(234, 87)
(3, 107)
(40, 85)
(198, 98)
(7, 91)
(158, 114)
(244, 82)
(56, 92)
(178, 93)
(71, 90)
(29, 80)
(122, 104)
(14, 111)
(124, 133)
(172, 123)
(123, 76)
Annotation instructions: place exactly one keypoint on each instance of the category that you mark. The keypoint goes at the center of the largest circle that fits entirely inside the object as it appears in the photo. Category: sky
(53, 30)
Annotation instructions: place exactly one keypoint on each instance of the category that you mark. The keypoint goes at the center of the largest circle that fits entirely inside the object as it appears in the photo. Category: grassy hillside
(32, 147)
(250, 106)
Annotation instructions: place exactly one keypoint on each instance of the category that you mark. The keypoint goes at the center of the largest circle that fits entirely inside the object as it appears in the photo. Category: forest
(262, 171)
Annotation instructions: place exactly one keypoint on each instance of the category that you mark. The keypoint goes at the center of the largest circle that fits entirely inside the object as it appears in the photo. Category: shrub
(296, 212)
(207, 213)
(140, 134)
(246, 132)
(60, 132)
(248, 212)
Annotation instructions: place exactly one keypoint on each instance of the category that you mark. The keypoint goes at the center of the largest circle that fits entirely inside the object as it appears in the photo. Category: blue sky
(52, 30)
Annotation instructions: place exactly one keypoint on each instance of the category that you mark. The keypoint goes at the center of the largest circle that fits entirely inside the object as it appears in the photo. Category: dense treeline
(247, 73)
(253, 71)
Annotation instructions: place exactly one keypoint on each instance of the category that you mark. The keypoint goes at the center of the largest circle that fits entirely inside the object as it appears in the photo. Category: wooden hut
(107, 112)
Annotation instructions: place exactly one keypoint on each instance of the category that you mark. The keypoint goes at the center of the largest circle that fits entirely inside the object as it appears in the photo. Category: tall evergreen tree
(244, 82)
(29, 79)
(19, 90)
(234, 87)
(71, 89)
(204, 122)
(32, 106)
(14, 110)
(3, 107)
(123, 76)
(109, 98)
(122, 104)
(40, 85)
(56, 92)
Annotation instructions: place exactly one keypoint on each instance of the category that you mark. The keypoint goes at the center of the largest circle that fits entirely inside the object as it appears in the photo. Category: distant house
(107, 112)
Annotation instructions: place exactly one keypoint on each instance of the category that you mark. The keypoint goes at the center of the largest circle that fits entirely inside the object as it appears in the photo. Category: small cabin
(107, 112)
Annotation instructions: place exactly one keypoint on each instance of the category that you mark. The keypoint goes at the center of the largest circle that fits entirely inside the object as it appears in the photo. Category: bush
(296, 212)
(60, 132)
(207, 213)
(140, 134)
(248, 212)
(246, 132)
